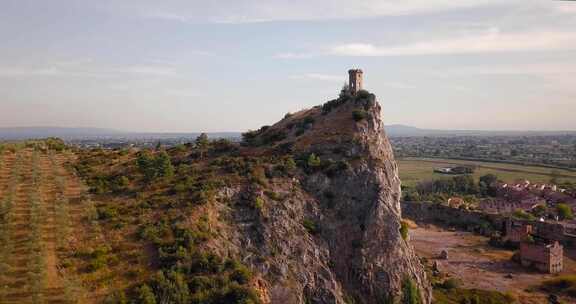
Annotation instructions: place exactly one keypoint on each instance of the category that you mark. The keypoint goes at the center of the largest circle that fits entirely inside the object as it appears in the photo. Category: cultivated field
(413, 170)
(36, 220)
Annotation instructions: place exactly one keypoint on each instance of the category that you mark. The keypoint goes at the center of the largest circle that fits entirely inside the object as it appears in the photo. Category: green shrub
(311, 226)
(250, 138)
(223, 145)
(171, 287)
(258, 176)
(99, 258)
(333, 169)
(308, 120)
(450, 284)
(359, 115)
(145, 295)
(258, 203)
(332, 104)
(241, 274)
(273, 136)
(564, 211)
(287, 166)
(363, 94)
(273, 195)
(118, 297)
(404, 230)
(470, 296)
(313, 161)
(523, 215)
(107, 213)
(153, 167)
(121, 183)
(300, 131)
(410, 292)
(563, 284)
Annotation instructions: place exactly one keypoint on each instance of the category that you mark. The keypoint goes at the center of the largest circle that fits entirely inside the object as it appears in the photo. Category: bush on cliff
(410, 292)
(404, 230)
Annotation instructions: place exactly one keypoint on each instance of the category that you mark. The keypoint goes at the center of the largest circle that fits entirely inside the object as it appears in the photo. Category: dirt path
(478, 265)
(37, 183)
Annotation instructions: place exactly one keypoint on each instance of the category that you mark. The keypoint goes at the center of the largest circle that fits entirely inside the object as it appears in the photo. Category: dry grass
(563, 284)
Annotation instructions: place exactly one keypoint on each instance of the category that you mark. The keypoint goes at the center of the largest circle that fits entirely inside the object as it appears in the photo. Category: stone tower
(355, 80)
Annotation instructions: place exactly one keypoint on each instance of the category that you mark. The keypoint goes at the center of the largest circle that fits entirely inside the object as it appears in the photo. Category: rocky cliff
(304, 211)
(330, 231)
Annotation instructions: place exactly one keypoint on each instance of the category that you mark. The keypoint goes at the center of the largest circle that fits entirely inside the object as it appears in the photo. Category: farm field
(413, 170)
(36, 216)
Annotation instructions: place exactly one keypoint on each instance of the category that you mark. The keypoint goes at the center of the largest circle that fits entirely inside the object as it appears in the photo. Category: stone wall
(431, 213)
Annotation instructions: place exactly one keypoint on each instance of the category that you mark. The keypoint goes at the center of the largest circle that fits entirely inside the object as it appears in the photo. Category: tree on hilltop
(202, 143)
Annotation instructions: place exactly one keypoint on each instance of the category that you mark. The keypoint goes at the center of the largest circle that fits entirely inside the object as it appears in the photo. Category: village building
(545, 257)
(505, 206)
(455, 202)
(517, 232)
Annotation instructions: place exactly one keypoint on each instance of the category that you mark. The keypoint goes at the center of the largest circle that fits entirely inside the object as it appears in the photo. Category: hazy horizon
(399, 125)
(230, 66)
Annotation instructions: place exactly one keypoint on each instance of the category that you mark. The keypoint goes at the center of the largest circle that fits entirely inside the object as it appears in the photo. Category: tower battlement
(355, 80)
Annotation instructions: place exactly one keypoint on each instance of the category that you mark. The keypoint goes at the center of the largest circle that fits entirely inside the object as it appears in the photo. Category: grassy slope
(565, 285)
(476, 296)
(169, 224)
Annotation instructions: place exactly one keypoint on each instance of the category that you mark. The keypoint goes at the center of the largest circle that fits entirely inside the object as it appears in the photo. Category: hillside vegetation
(304, 211)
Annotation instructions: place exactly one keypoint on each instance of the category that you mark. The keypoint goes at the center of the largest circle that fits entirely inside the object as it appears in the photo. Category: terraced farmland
(35, 223)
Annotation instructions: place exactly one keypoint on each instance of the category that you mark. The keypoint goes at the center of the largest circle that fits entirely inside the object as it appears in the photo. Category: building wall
(545, 258)
(356, 80)
(517, 232)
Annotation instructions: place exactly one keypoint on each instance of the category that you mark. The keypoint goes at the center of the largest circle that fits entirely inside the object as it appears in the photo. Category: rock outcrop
(330, 233)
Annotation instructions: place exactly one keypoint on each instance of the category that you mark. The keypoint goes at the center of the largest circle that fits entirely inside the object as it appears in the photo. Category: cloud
(149, 70)
(184, 93)
(395, 85)
(255, 11)
(293, 55)
(86, 69)
(322, 77)
(342, 79)
(567, 7)
(47, 71)
(532, 69)
(491, 42)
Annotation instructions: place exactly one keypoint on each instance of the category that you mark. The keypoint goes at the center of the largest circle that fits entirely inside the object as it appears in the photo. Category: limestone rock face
(332, 234)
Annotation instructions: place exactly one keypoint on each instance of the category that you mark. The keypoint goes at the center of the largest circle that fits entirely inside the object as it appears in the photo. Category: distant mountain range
(94, 133)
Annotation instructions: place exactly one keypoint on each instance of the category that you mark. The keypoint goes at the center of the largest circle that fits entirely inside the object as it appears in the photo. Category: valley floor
(415, 170)
(480, 266)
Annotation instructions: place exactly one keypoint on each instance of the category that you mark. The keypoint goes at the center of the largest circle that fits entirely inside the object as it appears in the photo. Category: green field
(413, 170)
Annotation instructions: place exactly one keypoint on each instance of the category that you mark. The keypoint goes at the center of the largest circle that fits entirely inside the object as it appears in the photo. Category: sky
(234, 65)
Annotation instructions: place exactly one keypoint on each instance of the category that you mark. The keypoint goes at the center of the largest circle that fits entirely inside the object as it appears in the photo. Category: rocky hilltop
(303, 211)
(350, 246)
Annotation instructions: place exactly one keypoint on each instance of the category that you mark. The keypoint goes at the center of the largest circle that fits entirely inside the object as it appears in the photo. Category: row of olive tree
(6, 226)
(37, 263)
